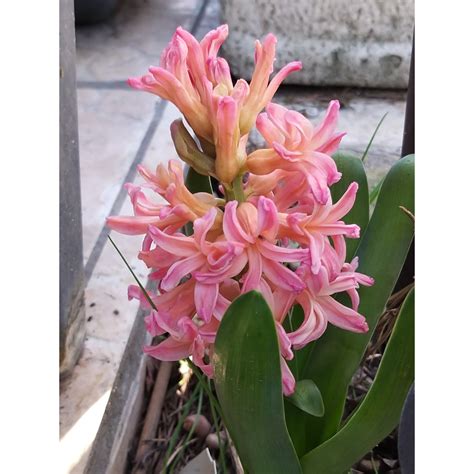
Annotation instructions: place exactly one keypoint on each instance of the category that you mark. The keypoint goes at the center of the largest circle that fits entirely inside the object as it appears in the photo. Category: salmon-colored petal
(342, 316)
(169, 350)
(205, 297)
(181, 269)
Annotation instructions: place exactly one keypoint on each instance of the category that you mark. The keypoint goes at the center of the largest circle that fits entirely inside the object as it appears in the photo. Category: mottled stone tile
(82, 401)
(161, 148)
(132, 39)
(112, 125)
(211, 19)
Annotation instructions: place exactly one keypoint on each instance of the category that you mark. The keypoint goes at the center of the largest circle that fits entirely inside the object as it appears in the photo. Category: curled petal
(205, 297)
(288, 380)
(282, 277)
(281, 254)
(213, 40)
(284, 342)
(345, 203)
(218, 275)
(279, 78)
(253, 276)
(232, 229)
(341, 316)
(325, 130)
(179, 244)
(180, 269)
(267, 224)
(169, 350)
(313, 326)
(132, 225)
(152, 324)
(202, 226)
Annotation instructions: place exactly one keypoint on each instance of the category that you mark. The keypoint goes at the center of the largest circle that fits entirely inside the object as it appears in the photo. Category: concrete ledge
(340, 42)
(74, 333)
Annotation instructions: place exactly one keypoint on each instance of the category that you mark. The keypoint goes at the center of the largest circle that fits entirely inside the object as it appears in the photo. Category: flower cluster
(273, 227)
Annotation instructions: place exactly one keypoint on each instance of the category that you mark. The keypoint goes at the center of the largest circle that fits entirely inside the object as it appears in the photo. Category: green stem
(238, 188)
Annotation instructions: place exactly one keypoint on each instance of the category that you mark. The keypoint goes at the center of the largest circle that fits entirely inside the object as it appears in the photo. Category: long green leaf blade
(198, 183)
(366, 152)
(379, 412)
(382, 252)
(352, 169)
(248, 383)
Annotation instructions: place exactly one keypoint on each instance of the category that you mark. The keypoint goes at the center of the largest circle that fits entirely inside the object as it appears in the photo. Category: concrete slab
(112, 124)
(364, 43)
(132, 40)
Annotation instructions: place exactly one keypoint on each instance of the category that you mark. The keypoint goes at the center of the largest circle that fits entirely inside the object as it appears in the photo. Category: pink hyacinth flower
(256, 228)
(261, 90)
(185, 339)
(182, 207)
(196, 256)
(299, 147)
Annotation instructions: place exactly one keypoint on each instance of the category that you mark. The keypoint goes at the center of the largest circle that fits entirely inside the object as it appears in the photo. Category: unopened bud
(189, 152)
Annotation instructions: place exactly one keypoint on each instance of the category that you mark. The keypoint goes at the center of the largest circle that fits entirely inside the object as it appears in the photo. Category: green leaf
(307, 397)
(248, 382)
(352, 169)
(379, 412)
(197, 183)
(366, 152)
(336, 355)
(374, 194)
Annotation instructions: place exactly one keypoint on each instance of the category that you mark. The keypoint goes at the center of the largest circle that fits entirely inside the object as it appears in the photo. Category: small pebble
(367, 465)
(202, 426)
(212, 440)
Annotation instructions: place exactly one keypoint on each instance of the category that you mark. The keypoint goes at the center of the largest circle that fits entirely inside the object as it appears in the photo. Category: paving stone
(82, 402)
(161, 148)
(112, 124)
(109, 318)
(132, 39)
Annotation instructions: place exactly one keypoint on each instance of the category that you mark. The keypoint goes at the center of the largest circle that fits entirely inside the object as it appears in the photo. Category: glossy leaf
(379, 412)
(197, 183)
(337, 354)
(247, 376)
(374, 193)
(292, 322)
(352, 169)
(307, 398)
